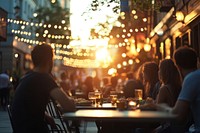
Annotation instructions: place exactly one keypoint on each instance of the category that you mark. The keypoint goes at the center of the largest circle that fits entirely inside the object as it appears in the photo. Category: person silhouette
(34, 92)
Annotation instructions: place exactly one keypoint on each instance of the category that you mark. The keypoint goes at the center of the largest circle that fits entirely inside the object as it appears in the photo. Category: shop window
(162, 50)
(25, 7)
(195, 37)
(178, 42)
(167, 48)
(185, 39)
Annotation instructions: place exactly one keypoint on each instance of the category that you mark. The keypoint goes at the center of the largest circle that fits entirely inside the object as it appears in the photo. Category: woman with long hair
(171, 82)
(150, 80)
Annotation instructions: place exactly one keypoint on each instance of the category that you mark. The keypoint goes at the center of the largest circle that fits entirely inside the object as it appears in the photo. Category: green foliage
(146, 5)
(52, 15)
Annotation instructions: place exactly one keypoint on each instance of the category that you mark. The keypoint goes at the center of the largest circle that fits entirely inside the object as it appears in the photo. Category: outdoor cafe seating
(116, 109)
(98, 109)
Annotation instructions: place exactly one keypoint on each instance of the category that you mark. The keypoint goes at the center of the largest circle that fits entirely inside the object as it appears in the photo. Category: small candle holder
(132, 104)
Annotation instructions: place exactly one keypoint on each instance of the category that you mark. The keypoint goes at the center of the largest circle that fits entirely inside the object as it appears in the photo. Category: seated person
(34, 92)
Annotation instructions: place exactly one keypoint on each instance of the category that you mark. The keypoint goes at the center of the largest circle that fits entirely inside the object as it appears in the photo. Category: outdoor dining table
(137, 118)
(119, 115)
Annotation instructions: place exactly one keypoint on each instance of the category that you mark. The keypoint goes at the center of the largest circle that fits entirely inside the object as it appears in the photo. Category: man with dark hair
(186, 60)
(34, 92)
(131, 85)
(189, 98)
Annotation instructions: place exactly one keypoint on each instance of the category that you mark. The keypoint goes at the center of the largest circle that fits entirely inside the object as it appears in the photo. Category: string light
(86, 63)
(37, 24)
(64, 51)
(68, 28)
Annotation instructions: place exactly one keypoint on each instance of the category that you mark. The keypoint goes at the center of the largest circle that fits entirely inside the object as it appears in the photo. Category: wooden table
(124, 119)
(113, 115)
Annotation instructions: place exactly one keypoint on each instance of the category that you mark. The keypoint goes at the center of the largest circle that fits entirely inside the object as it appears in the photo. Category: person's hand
(148, 106)
(164, 107)
(149, 100)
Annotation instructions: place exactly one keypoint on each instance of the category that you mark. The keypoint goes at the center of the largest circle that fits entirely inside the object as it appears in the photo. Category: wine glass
(92, 97)
(98, 97)
(113, 97)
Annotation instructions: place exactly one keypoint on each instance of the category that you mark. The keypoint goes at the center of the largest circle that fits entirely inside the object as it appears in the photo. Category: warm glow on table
(125, 115)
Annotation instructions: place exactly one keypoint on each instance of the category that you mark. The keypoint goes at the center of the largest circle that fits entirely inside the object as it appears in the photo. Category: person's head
(89, 81)
(168, 72)
(114, 81)
(150, 72)
(63, 76)
(105, 80)
(185, 58)
(42, 55)
(129, 75)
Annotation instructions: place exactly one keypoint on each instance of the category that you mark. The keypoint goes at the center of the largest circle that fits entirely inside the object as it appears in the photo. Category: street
(5, 126)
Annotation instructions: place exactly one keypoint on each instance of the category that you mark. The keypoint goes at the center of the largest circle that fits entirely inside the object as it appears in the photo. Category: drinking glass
(92, 97)
(98, 97)
(138, 94)
(113, 97)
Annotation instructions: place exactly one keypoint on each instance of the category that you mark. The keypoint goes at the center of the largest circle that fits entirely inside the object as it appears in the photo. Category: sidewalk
(5, 126)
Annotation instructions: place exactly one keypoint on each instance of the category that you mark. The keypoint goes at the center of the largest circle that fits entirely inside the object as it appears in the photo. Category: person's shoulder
(196, 73)
(4, 75)
(157, 85)
(37, 75)
(193, 75)
(131, 81)
(163, 88)
(109, 86)
(42, 74)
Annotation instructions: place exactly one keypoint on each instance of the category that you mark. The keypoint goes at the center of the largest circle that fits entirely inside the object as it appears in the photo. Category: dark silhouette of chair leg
(58, 129)
(10, 117)
(73, 126)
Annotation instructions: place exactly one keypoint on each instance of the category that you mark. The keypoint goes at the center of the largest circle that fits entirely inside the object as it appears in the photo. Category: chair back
(55, 113)
(51, 110)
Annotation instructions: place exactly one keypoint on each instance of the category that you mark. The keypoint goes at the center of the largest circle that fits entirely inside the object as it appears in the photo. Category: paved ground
(5, 126)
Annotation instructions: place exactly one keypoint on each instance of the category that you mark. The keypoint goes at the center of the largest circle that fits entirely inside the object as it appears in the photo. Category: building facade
(14, 53)
(180, 26)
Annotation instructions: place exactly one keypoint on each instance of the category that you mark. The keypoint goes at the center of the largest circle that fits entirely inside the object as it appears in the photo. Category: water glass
(138, 94)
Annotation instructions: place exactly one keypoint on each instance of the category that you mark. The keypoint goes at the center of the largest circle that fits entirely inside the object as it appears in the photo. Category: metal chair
(59, 129)
(55, 113)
